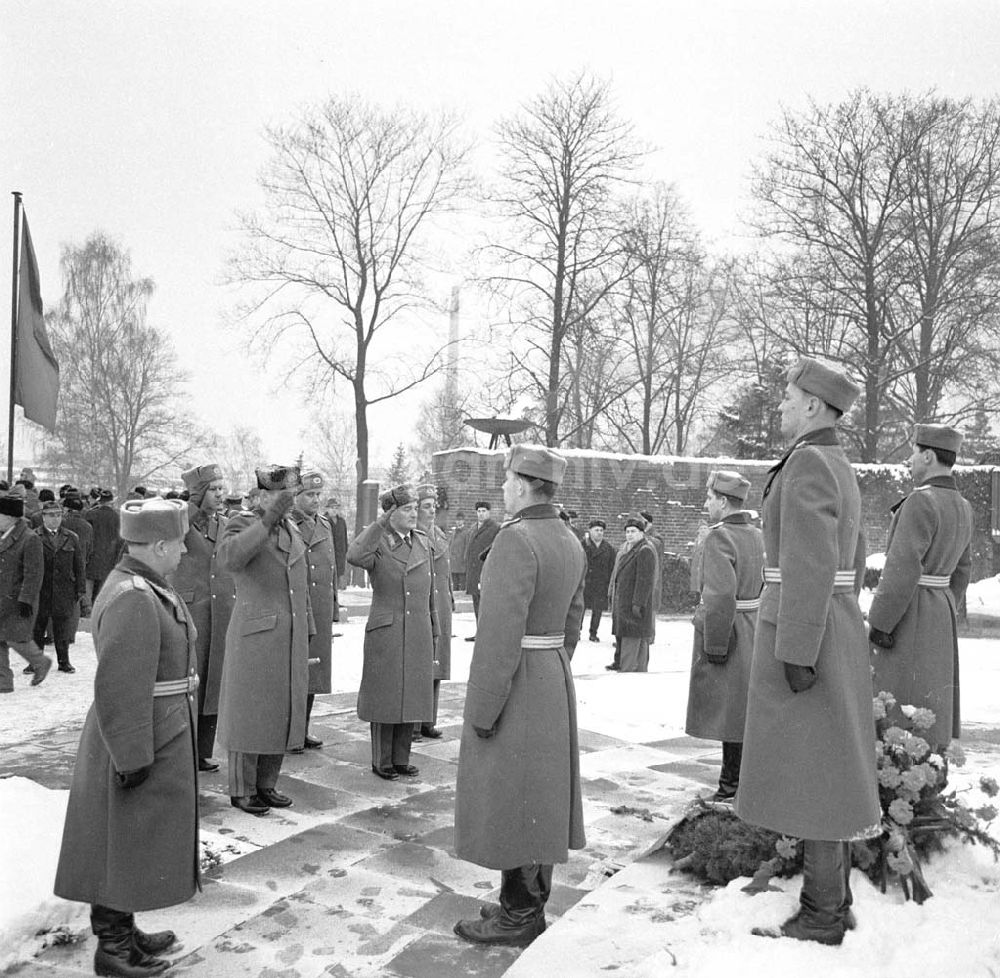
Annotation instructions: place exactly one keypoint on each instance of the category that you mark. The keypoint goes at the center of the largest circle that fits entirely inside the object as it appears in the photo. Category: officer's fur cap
(728, 482)
(426, 491)
(11, 506)
(201, 475)
(278, 477)
(149, 520)
(397, 496)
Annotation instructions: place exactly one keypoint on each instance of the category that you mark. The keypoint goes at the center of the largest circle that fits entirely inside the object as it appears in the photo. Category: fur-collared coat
(262, 706)
(633, 587)
(135, 848)
(930, 533)
(397, 679)
(808, 767)
(209, 592)
(731, 559)
(518, 795)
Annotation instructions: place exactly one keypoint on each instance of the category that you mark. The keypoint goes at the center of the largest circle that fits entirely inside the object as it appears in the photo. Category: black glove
(25, 610)
(883, 640)
(132, 779)
(483, 733)
(799, 678)
(281, 505)
(717, 660)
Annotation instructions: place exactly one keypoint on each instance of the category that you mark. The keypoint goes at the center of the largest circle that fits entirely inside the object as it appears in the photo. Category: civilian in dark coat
(21, 571)
(64, 583)
(318, 536)
(479, 542)
(130, 841)
(209, 592)
(518, 805)
(913, 614)
(335, 517)
(397, 688)
(107, 543)
(632, 599)
(600, 566)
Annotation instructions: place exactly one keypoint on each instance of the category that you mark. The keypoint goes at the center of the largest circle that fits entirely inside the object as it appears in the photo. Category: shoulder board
(139, 583)
(510, 522)
(713, 526)
(417, 529)
(923, 488)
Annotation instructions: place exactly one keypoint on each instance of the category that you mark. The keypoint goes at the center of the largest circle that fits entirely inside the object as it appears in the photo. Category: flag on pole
(36, 372)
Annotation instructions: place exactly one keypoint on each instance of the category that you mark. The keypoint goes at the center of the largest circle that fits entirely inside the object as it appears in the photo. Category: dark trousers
(595, 623)
(310, 699)
(825, 882)
(391, 744)
(62, 633)
(458, 580)
(525, 891)
(207, 722)
(248, 772)
(475, 604)
(96, 583)
(732, 757)
(434, 718)
(28, 651)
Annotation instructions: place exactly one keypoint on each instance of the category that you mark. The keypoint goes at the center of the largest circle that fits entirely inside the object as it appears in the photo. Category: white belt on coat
(843, 579)
(543, 641)
(937, 581)
(174, 687)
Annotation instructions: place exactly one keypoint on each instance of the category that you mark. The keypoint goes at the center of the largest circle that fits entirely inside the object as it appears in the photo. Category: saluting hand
(282, 504)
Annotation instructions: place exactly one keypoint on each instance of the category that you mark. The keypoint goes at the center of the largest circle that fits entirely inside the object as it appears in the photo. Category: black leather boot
(729, 778)
(520, 916)
(117, 954)
(155, 943)
(850, 921)
(823, 901)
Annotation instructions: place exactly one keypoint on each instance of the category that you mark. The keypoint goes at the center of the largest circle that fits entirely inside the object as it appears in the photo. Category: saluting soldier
(912, 617)
(208, 590)
(731, 561)
(317, 535)
(809, 746)
(444, 600)
(518, 806)
(130, 840)
(262, 705)
(397, 688)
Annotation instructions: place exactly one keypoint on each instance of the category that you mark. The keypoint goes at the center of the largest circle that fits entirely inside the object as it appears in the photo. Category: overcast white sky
(144, 119)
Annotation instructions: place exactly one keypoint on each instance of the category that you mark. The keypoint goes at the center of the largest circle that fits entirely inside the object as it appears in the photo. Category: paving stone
(437, 956)
(406, 819)
(685, 745)
(619, 760)
(591, 740)
(50, 768)
(416, 862)
(441, 913)
(692, 770)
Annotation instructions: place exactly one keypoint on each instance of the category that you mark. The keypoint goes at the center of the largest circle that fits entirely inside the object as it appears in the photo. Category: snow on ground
(955, 933)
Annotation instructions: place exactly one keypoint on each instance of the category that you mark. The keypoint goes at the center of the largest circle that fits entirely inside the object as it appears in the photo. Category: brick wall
(601, 484)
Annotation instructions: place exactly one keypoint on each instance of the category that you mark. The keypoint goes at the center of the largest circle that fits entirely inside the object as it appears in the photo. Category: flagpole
(13, 337)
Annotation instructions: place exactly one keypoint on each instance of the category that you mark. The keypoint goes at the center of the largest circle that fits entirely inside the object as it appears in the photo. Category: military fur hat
(11, 505)
(536, 462)
(278, 477)
(941, 436)
(637, 521)
(310, 481)
(149, 520)
(397, 496)
(825, 382)
(729, 483)
(202, 475)
(105, 496)
(482, 504)
(426, 491)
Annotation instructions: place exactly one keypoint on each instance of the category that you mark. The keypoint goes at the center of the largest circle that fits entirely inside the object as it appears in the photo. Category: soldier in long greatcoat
(130, 840)
(913, 614)
(318, 537)
(397, 679)
(21, 569)
(64, 583)
(518, 806)
(444, 600)
(209, 592)
(262, 706)
(809, 745)
(107, 546)
(731, 559)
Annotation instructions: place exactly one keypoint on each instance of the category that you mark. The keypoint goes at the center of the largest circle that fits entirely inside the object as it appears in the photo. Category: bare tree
(119, 418)
(350, 194)
(563, 155)
(238, 452)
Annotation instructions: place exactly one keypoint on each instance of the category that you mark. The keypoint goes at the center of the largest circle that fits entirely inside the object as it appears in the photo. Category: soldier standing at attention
(130, 841)
(444, 601)
(317, 535)
(731, 559)
(209, 592)
(809, 746)
(518, 806)
(912, 617)
(262, 704)
(397, 678)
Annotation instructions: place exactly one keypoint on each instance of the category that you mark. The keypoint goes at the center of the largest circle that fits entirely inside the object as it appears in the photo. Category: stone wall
(606, 485)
